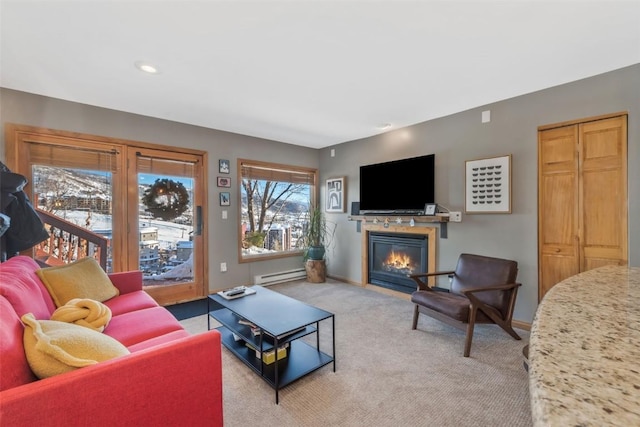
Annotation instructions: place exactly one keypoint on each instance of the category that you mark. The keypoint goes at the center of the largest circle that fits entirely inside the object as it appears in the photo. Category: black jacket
(25, 227)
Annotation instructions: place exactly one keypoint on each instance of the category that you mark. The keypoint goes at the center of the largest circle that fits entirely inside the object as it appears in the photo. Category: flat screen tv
(399, 186)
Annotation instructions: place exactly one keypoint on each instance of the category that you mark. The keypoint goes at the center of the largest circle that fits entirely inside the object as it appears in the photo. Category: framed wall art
(225, 198)
(430, 209)
(488, 185)
(223, 166)
(224, 181)
(336, 193)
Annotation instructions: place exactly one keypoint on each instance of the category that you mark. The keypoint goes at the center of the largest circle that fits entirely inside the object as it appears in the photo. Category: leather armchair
(483, 290)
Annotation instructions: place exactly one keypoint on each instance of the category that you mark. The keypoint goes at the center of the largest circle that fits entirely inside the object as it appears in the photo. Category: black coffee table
(283, 321)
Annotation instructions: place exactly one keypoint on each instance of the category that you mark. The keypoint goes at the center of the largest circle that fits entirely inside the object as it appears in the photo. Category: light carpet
(386, 373)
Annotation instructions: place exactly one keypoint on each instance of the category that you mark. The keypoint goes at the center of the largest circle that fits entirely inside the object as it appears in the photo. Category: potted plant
(315, 237)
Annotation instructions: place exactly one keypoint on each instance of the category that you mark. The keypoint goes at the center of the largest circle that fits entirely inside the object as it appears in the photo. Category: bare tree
(265, 195)
(54, 193)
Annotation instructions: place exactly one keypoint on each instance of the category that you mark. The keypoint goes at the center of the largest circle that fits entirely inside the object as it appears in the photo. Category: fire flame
(398, 261)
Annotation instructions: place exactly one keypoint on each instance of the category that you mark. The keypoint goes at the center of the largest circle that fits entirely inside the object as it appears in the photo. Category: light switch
(224, 214)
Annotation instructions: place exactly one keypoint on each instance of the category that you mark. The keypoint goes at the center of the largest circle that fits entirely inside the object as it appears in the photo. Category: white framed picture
(336, 193)
(430, 209)
(488, 185)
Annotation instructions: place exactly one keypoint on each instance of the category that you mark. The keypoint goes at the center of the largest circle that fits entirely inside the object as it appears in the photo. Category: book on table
(269, 356)
(255, 330)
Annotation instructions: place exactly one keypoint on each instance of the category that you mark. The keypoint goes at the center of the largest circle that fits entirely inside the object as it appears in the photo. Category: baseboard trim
(519, 324)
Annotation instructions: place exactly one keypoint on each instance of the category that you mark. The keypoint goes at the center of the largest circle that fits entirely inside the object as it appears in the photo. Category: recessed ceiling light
(384, 126)
(146, 67)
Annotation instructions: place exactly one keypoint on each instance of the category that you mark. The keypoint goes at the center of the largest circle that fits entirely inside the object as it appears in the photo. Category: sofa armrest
(127, 281)
(177, 383)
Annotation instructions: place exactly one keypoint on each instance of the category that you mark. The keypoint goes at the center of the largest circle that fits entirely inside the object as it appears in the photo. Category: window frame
(277, 170)
(19, 139)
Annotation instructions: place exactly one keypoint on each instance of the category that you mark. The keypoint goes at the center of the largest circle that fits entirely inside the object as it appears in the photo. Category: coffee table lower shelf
(302, 359)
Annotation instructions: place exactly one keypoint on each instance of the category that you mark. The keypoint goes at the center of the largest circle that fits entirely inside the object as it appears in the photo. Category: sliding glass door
(133, 206)
(167, 222)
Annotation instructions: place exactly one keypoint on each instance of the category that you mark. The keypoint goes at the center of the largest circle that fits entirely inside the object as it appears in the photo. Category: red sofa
(170, 377)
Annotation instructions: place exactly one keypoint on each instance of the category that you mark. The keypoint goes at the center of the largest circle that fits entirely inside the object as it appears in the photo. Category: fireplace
(398, 269)
(392, 257)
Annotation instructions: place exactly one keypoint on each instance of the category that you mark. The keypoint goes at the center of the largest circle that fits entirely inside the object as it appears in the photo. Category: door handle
(198, 229)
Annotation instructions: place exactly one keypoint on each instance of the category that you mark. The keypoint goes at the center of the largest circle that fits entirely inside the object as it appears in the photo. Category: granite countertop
(584, 351)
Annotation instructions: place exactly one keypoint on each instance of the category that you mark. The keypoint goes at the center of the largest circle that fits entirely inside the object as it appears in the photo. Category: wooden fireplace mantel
(430, 232)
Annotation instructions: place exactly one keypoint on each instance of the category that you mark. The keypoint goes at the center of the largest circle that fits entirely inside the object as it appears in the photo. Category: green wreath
(166, 199)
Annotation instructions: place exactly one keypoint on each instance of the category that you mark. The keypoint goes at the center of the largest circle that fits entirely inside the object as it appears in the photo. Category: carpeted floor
(386, 373)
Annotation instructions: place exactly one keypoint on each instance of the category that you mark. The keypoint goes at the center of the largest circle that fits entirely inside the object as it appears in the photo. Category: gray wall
(454, 139)
(462, 136)
(33, 110)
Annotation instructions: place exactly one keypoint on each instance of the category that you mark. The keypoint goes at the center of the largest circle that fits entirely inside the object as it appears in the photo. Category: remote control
(235, 291)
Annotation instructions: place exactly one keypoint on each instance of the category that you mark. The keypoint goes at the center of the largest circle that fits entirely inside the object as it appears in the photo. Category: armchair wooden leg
(416, 312)
(467, 342)
(470, 326)
(510, 330)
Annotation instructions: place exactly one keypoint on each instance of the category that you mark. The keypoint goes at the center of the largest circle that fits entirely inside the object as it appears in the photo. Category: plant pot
(316, 270)
(315, 252)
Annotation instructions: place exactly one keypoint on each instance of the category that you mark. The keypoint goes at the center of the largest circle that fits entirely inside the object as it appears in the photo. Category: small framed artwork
(488, 185)
(225, 198)
(336, 193)
(430, 209)
(223, 181)
(223, 166)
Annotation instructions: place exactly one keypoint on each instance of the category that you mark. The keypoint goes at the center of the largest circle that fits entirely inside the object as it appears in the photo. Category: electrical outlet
(455, 216)
(223, 267)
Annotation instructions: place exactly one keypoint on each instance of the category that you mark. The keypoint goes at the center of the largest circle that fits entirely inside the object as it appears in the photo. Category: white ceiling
(310, 73)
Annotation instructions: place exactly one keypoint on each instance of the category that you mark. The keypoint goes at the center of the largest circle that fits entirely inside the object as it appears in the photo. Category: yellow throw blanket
(84, 312)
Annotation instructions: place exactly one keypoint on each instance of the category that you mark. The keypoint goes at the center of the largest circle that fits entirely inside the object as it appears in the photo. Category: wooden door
(167, 244)
(582, 198)
(558, 219)
(603, 193)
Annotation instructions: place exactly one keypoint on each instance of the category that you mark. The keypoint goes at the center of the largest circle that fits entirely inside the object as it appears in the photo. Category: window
(275, 203)
(141, 202)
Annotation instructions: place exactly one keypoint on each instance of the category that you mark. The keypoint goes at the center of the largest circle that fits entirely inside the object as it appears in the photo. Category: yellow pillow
(80, 279)
(84, 312)
(54, 348)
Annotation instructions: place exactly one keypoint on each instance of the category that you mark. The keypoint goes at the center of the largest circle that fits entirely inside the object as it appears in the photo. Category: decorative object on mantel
(488, 185)
(441, 219)
(336, 194)
(430, 209)
(166, 199)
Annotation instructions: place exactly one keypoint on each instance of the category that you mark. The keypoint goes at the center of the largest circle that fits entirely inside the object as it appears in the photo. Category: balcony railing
(68, 242)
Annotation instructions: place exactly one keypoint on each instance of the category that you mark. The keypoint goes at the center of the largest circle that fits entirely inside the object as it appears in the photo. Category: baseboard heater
(282, 276)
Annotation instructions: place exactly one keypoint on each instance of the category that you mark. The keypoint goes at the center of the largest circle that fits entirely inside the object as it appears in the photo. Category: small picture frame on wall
(430, 209)
(488, 185)
(224, 166)
(224, 181)
(336, 193)
(225, 198)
